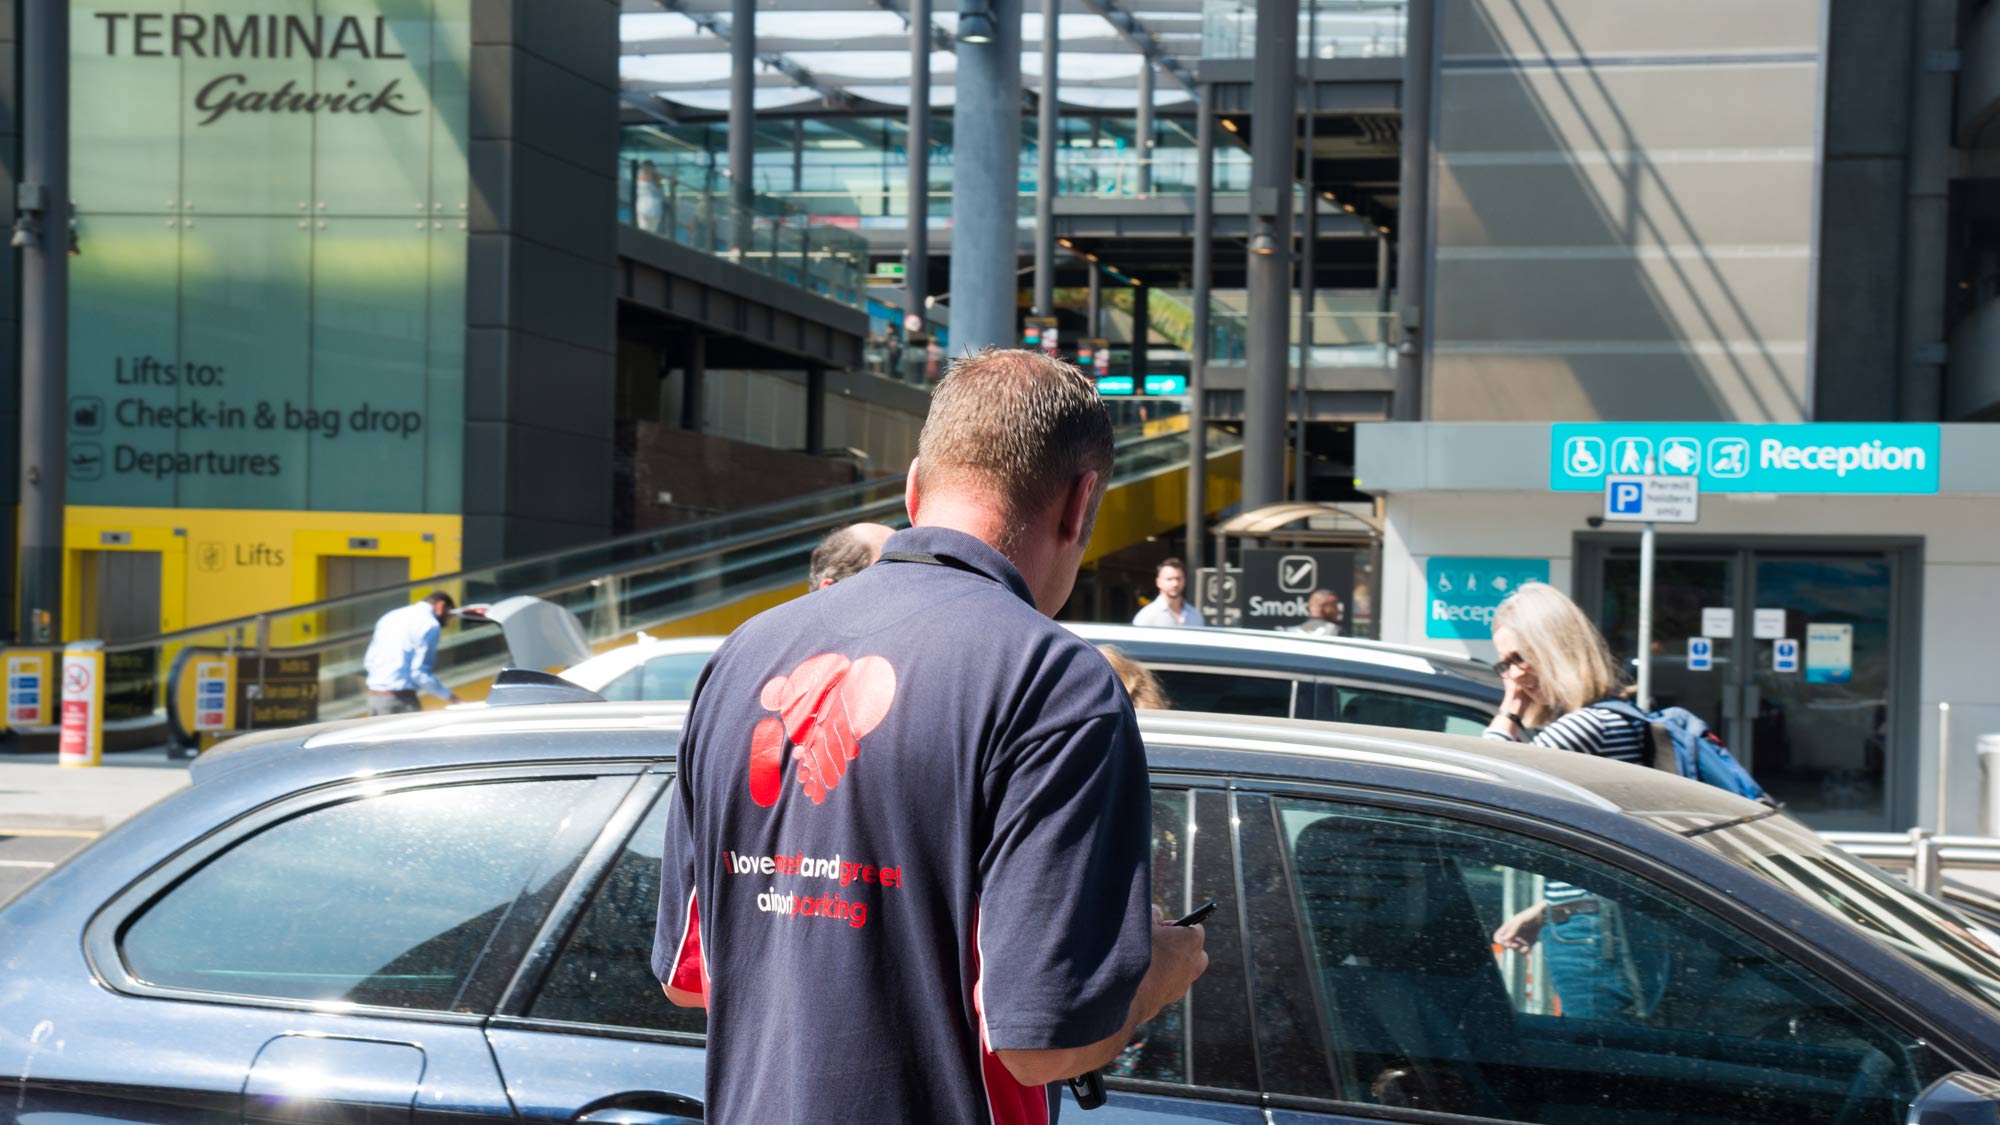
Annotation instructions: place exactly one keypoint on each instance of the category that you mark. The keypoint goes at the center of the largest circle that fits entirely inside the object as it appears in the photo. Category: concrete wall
(1961, 569)
(541, 292)
(1623, 224)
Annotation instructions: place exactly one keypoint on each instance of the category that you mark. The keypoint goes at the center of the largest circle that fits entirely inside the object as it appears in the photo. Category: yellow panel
(1158, 503)
(219, 564)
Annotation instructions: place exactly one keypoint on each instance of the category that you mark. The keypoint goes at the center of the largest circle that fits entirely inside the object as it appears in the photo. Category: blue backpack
(1683, 744)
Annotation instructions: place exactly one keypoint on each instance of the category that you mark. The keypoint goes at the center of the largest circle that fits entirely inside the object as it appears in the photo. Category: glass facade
(1340, 29)
(268, 302)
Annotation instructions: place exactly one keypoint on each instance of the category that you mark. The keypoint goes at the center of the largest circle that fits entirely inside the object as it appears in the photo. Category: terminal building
(526, 296)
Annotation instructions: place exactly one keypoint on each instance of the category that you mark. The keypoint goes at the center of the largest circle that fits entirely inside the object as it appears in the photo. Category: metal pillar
(1307, 291)
(986, 155)
(42, 233)
(798, 154)
(815, 408)
(1094, 311)
(1204, 261)
(1046, 100)
(1382, 336)
(1646, 615)
(694, 391)
(1413, 207)
(742, 119)
(1274, 96)
(917, 259)
(1140, 331)
(1142, 131)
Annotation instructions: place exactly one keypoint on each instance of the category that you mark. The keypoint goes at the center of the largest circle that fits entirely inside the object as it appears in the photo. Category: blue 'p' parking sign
(1626, 498)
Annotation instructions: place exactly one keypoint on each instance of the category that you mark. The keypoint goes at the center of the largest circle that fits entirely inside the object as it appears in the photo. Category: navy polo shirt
(911, 828)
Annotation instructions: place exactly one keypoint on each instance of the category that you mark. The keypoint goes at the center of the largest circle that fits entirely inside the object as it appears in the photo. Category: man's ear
(910, 492)
(1077, 502)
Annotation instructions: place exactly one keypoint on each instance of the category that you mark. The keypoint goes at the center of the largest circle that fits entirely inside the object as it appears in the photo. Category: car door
(329, 957)
(1381, 992)
(586, 1034)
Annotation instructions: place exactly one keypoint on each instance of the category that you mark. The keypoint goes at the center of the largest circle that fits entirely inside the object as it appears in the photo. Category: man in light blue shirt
(400, 656)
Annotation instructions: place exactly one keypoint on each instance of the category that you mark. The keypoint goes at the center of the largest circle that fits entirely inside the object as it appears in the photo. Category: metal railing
(1922, 854)
(1347, 29)
(771, 236)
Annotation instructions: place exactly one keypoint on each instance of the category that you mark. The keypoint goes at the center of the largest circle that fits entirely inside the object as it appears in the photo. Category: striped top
(1588, 730)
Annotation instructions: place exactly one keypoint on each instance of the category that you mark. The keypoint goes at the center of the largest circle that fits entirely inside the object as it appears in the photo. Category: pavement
(48, 811)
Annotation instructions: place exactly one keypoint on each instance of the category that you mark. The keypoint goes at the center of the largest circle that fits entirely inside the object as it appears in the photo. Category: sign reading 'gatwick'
(1824, 457)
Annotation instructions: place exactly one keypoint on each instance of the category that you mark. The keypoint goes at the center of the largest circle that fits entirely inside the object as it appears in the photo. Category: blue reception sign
(1460, 595)
(1820, 457)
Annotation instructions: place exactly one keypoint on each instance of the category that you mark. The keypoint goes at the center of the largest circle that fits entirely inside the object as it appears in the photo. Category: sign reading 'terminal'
(1810, 458)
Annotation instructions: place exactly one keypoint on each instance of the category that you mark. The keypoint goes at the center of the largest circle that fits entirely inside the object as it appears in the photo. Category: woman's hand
(1519, 932)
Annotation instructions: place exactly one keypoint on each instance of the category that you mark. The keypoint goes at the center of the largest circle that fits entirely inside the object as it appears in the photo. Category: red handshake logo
(824, 708)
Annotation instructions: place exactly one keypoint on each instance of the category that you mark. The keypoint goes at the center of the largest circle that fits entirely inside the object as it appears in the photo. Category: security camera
(1595, 522)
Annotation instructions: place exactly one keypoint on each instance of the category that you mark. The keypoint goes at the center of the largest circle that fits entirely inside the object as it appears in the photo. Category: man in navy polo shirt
(907, 866)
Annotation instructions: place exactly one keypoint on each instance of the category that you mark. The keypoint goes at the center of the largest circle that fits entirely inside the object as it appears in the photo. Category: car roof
(1177, 741)
(1266, 643)
(1236, 647)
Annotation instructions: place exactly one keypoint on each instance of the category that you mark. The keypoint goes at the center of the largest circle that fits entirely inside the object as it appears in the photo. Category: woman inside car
(1603, 962)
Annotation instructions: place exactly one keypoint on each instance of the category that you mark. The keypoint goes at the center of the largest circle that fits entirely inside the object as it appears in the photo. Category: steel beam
(986, 146)
(1141, 37)
(1413, 207)
(1143, 128)
(1204, 271)
(1273, 164)
(917, 260)
(1047, 97)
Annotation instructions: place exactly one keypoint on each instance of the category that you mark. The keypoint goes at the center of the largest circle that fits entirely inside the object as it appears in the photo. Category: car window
(1228, 693)
(1159, 1049)
(624, 688)
(1624, 1000)
(1378, 708)
(672, 676)
(385, 900)
(604, 974)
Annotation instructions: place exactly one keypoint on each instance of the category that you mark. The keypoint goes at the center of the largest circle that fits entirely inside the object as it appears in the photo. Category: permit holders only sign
(1654, 499)
(1820, 458)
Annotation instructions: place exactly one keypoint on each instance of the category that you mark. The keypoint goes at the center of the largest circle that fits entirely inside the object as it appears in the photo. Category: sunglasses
(1511, 661)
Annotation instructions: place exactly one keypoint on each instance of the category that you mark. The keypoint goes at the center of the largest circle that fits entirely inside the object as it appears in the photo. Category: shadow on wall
(1624, 222)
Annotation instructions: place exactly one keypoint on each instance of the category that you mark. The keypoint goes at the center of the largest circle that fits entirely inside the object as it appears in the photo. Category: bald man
(846, 553)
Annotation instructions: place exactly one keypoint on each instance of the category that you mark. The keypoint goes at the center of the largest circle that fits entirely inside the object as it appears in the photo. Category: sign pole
(1646, 616)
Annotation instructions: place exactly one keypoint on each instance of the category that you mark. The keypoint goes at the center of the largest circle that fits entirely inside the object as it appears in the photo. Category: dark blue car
(446, 918)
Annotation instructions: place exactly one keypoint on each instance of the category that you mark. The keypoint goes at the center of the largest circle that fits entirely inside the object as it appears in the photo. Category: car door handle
(657, 1109)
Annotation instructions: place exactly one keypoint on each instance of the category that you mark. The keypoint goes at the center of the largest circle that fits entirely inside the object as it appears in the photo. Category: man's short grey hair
(1016, 423)
(841, 555)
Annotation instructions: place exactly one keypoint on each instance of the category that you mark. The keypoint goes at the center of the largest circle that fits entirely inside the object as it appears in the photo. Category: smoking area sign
(1460, 594)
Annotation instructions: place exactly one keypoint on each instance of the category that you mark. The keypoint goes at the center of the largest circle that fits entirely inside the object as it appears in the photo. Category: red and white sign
(82, 739)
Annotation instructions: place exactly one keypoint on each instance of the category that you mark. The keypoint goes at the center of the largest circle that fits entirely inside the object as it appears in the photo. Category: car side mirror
(1960, 1098)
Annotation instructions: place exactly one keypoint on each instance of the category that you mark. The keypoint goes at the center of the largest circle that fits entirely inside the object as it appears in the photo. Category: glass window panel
(673, 677)
(125, 149)
(241, 158)
(124, 338)
(1635, 1000)
(1227, 693)
(604, 974)
(443, 434)
(450, 91)
(369, 358)
(1372, 707)
(375, 162)
(245, 308)
(1159, 1048)
(384, 900)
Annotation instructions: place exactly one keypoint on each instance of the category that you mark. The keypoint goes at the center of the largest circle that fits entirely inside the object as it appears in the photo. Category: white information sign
(1829, 653)
(1701, 654)
(1718, 622)
(1643, 499)
(1785, 655)
(1770, 624)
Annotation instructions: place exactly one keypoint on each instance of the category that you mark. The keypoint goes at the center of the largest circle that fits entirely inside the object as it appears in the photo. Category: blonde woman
(1553, 665)
(1139, 681)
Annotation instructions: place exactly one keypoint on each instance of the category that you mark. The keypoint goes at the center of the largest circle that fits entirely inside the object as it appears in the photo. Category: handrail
(1921, 852)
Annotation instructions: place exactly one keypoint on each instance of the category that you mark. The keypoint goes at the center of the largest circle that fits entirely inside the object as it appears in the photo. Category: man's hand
(1519, 932)
(1178, 958)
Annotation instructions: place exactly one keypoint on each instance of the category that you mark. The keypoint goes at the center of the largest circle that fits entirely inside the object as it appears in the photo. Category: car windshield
(1940, 938)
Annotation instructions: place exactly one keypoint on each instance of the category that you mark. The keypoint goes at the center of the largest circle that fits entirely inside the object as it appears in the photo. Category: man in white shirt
(400, 656)
(1170, 609)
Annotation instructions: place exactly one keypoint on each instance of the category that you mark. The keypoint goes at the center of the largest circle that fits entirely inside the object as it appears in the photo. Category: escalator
(304, 663)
